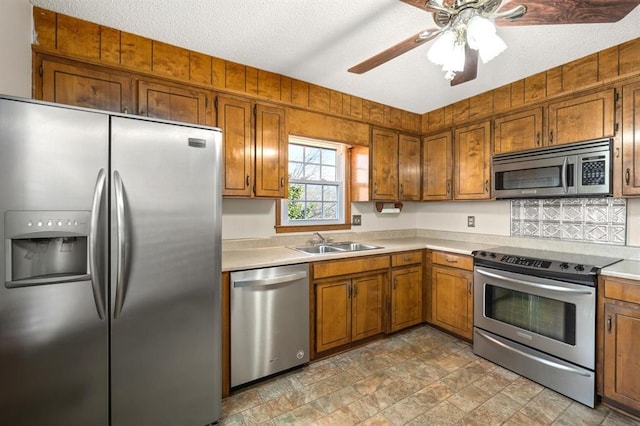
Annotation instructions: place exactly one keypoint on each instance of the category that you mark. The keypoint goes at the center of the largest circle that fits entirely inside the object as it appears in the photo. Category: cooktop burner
(543, 260)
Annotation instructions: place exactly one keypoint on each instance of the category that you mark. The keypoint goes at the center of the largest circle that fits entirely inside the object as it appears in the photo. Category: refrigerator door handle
(122, 244)
(94, 246)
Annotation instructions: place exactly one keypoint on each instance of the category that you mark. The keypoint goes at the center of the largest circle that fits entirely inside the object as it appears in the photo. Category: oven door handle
(533, 357)
(532, 284)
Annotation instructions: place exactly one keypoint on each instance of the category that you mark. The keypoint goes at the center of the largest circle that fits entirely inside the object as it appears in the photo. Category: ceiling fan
(465, 29)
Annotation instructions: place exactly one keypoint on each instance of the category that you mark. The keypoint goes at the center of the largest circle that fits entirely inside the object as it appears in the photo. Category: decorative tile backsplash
(595, 220)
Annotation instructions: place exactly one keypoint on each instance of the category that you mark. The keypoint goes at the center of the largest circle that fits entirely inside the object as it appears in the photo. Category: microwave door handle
(565, 187)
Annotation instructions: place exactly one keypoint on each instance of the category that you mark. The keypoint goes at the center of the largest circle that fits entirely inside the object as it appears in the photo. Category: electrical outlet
(356, 220)
(471, 221)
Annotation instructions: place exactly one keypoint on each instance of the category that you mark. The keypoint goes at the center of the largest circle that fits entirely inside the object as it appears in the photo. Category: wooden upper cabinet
(437, 167)
(384, 165)
(409, 167)
(472, 161)
(271, 152)
(234, 118)
(582, 118)
(518, 132)
(168, 102)
(630, 139)
(85, 87)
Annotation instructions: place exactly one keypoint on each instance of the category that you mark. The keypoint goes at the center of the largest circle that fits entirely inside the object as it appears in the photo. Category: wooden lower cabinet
(451, 291)
(347, 310)
(406, 290)
(620, 343)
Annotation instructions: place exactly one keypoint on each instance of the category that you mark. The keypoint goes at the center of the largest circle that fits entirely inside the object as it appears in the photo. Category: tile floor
(418, 377)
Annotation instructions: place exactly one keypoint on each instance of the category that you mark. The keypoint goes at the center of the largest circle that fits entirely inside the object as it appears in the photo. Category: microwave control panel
(594, 171)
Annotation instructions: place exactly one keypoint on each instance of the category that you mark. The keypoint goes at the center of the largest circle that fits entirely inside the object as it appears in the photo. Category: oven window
(539, 177)
(547, 317)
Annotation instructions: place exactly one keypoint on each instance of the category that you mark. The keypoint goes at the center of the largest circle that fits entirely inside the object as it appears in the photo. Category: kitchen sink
(344, 246)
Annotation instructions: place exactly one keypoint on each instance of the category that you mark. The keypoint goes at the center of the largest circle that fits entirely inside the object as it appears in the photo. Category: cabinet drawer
(406, 258)
(625, 290)
(453, 260)
(334, 268)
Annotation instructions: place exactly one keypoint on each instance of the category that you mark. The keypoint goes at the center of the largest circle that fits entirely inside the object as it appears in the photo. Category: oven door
(551, 316)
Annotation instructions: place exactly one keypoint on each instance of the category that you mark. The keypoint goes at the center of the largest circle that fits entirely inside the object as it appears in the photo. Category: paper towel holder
(382, 207)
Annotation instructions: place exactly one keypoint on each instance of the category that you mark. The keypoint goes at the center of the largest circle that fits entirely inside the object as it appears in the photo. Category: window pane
(330, 211)
(329, 173)
(312, 172)
(330, 193)
(329, 156)
(296, 170)
(312, 155)
(314, 192)
(296, 153)
(314, 210)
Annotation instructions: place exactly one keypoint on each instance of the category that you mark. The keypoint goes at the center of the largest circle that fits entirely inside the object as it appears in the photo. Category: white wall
(491, 217)
(15, 48)
(633, 222)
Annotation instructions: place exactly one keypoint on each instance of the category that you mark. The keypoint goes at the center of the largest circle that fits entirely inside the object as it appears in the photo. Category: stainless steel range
(535, 314)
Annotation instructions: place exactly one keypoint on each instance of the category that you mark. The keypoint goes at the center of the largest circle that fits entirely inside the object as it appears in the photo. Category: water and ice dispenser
(46, 247)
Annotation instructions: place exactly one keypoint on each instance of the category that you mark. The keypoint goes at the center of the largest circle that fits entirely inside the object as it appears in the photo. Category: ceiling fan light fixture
(442, 48)
(481, 36)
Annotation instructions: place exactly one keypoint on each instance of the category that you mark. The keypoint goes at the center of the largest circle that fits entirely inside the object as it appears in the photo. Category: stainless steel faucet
(322, 240)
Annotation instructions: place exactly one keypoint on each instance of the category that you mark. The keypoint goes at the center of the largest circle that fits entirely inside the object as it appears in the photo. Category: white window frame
(341, 158)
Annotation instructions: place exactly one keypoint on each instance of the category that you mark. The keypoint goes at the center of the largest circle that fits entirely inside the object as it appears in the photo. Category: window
(317, 194)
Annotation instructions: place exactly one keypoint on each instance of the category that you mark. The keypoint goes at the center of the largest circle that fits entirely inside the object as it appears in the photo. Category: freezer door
(53, 343)
(165, 274)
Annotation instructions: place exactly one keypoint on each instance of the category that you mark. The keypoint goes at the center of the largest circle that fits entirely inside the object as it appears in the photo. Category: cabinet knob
(627, 176)
(281, 182)
(486, 185)
(617, 152)
(538, 139)
(609, 323)
(551, 137)
(248, 180)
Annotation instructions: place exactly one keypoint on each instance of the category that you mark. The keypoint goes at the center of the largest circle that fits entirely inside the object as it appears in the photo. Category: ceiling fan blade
(551, 12)
(470, 71)
(394, 51)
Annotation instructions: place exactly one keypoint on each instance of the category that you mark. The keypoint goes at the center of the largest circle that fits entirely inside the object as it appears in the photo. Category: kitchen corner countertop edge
(236, 260)
(628, 269)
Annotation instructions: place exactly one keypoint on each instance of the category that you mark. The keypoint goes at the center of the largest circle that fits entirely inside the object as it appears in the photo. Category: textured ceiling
(317, 41)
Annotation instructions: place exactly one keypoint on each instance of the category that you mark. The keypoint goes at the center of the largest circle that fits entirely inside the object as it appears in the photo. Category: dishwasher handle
(265, 282)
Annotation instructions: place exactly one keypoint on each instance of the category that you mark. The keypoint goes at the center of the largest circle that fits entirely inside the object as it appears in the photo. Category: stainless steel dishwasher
(269, 321)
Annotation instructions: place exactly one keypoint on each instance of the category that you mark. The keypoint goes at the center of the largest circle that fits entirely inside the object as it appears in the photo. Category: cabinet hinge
(215, 103)
(255, 110)
(616, 96)
(206, 102)
(40, 70)
(616, 127)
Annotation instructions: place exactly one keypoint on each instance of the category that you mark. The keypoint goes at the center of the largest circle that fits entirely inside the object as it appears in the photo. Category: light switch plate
(356, 220)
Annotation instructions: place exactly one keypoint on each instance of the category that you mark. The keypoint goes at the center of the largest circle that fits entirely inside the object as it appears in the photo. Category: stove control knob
(481, 253)
(492, 255)
(564, 265)
(579, 268)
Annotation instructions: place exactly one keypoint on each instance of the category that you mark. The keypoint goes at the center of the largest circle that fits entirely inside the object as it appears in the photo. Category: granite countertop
(629, 269)
(235, 260)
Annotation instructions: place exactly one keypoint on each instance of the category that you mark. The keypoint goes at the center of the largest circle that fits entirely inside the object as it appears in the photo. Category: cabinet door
(452, 300)
(622, 354)
(333, 314)
(472, 160)
(80, 86)
(174, 103)
(234, 118)
(582, 118)
(409, 167)
(384, 165)
(406, 297)
(517, 132)
(631, 139)
(367, 306)
(271, 152)
(437, 167)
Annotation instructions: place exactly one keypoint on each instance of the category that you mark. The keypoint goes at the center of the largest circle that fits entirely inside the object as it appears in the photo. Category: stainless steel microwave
(578, 169)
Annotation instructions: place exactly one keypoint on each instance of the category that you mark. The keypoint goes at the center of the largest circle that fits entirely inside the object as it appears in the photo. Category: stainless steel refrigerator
(110, 299)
